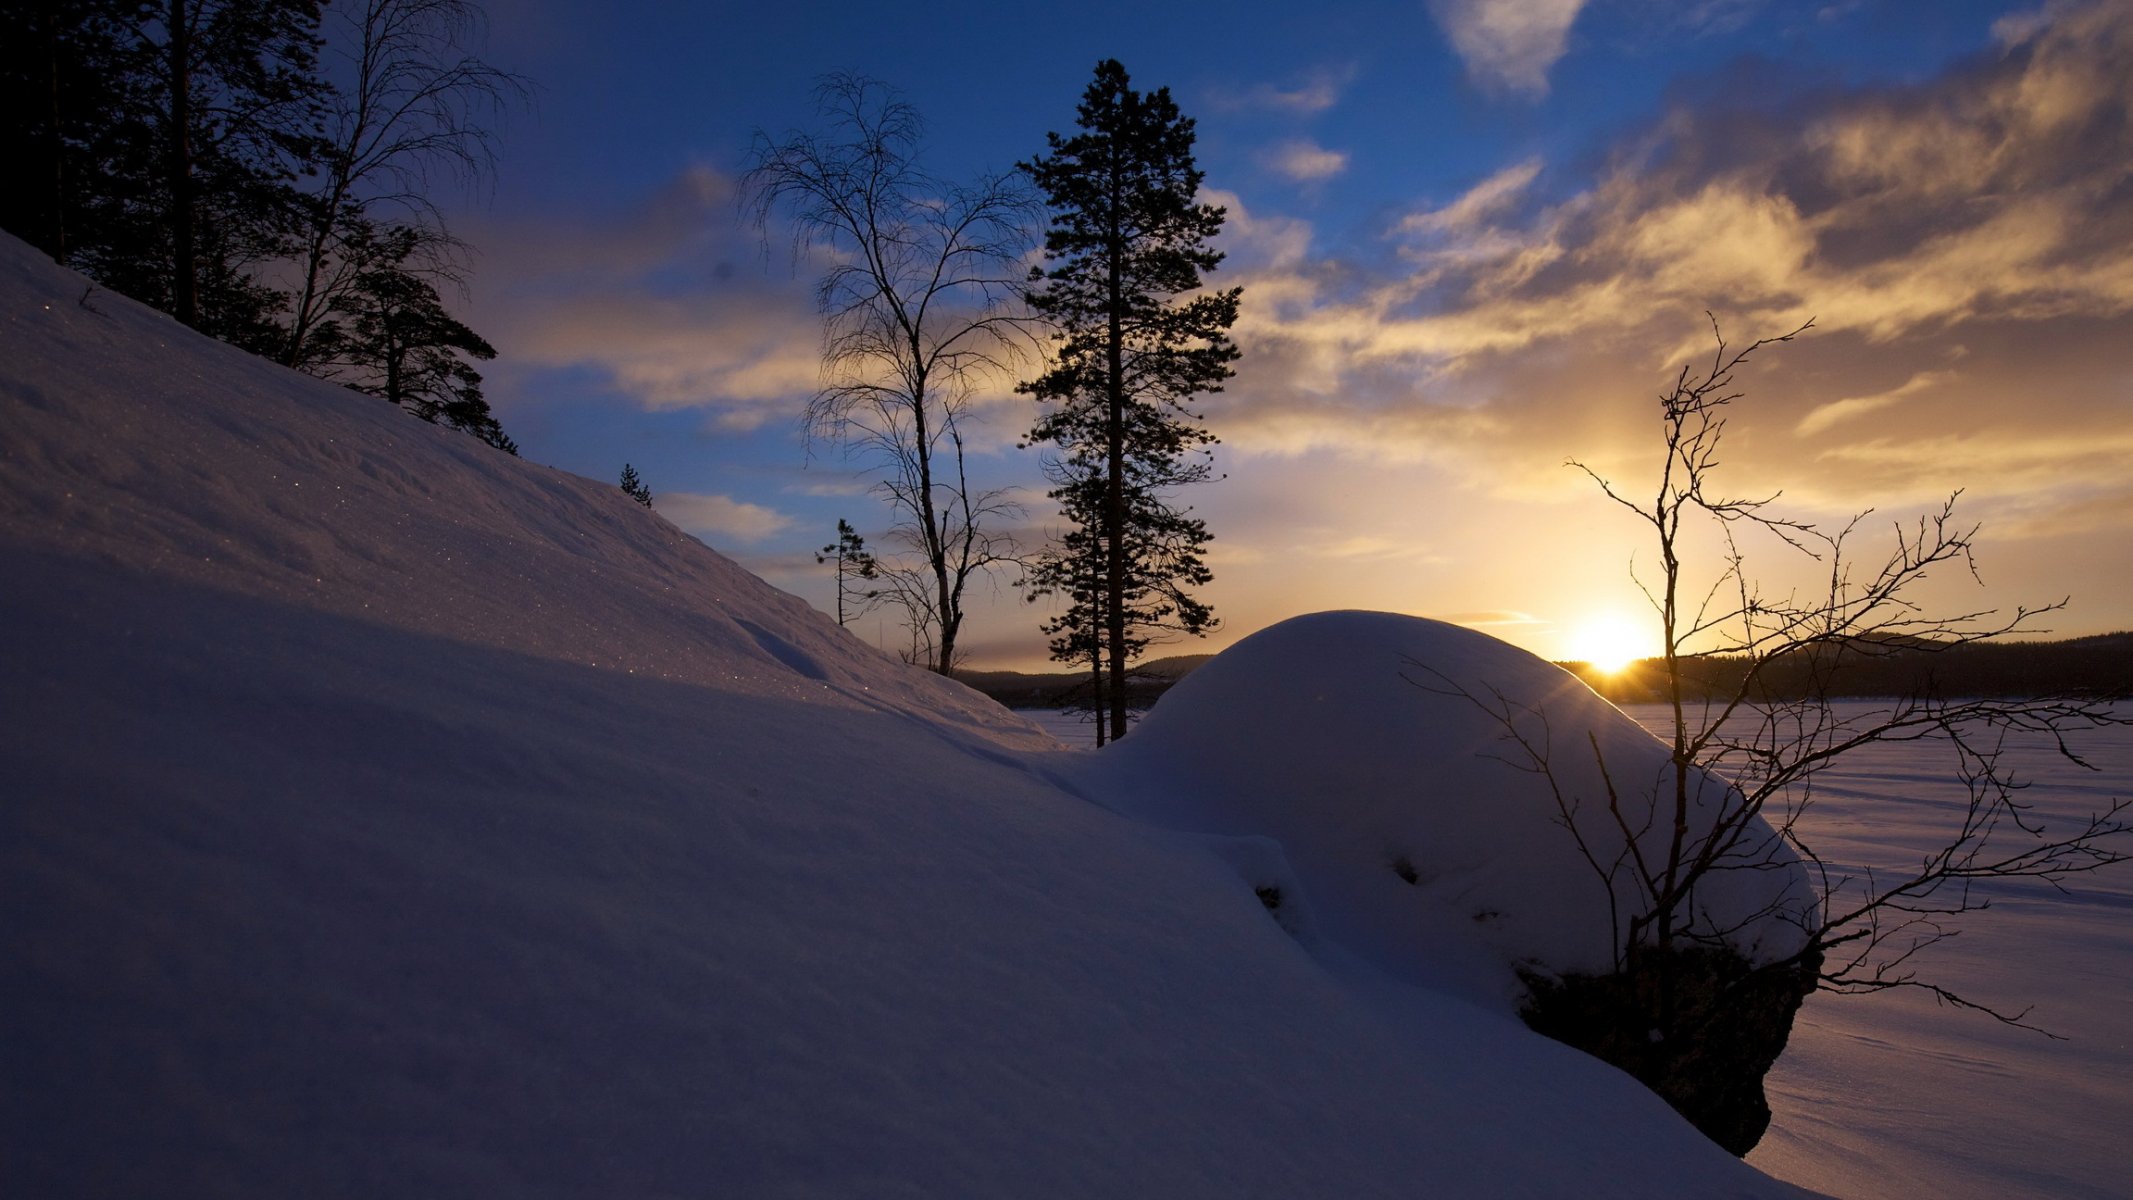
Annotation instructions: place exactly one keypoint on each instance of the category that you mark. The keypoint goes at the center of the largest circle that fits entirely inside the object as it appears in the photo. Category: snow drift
(389, 816)
(1375, 750)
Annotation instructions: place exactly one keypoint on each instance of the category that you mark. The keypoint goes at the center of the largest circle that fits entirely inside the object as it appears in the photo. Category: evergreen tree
(204, 114)
(191, 153)
(634, 487)
(392, 338)
(66, 94)
(1073, 567)
(854, 562)
(1137, 340)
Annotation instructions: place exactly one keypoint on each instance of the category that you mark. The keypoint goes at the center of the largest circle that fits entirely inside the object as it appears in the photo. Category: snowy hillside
(387, 816)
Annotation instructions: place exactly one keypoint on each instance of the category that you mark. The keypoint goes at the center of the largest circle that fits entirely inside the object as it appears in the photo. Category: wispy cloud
(1718, 16)
(1365, 547)
(1508, 45)
(721, 517)
(1491, 618)
(836, 487)
(1478, 205)
(1836, 411)
(1305, 161)
(1308, 95)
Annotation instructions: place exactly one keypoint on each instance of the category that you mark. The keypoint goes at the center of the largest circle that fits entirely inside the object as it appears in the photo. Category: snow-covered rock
(1377, 751)
(388, 816)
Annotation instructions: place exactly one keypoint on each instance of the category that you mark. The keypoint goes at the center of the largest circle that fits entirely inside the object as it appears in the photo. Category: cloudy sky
(1475, 238)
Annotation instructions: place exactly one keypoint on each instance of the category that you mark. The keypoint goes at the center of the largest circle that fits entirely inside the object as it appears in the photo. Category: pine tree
(392, 338)
(185, 150)
(1137, 340)
(635, 487)
(1073, 567)
(193, 155)
(854, 562)
(63, 86)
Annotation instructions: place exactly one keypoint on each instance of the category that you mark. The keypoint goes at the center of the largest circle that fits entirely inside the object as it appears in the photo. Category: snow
(1361, 741)
(1887, 1097)
(390, 816)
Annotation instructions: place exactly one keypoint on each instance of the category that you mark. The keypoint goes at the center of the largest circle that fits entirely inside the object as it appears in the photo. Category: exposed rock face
(1700, 1027)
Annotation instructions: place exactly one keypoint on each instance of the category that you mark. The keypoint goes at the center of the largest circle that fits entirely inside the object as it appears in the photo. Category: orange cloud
(676, 304)
(720, 517)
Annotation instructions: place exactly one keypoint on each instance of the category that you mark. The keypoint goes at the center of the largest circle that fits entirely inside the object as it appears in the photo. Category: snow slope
(388, 816)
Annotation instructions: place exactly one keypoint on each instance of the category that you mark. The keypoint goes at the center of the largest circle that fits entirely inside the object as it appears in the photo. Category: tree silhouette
(392, 338)
(1749, 744)
(195, 155)
(855, 566)
(412, 104)
(918, 315)
(635, 487)
(162, 142)
(1136, 340)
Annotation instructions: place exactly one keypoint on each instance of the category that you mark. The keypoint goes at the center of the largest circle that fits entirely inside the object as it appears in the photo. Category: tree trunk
(51, 233)
(929, 525)
(1115, 482)
(185, 271)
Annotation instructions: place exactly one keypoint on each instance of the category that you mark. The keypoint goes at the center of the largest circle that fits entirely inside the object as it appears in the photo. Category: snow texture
(389, 816)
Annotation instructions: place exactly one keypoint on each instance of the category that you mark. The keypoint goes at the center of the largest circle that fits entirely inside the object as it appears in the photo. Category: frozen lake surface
(1893, 1095)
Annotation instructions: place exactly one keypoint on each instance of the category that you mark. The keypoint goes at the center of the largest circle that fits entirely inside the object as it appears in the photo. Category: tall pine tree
(1137, 339)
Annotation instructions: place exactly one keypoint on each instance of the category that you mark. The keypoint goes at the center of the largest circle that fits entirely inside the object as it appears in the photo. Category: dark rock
(1698, 1025)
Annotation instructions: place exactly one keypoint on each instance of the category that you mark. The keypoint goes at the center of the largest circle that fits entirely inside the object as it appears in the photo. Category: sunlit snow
(390, 816)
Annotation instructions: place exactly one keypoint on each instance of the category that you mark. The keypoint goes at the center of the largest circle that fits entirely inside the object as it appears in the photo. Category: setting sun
(1609, 642)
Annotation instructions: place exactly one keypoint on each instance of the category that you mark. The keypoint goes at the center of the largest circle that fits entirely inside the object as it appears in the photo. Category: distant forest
(1020, 689)
(2100, 665)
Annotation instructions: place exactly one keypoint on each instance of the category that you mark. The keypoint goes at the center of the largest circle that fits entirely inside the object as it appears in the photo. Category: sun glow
(1609, 642)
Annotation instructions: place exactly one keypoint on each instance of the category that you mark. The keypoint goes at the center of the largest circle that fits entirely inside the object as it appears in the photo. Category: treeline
(1028, 689)
(264, 173)
(2096, 666)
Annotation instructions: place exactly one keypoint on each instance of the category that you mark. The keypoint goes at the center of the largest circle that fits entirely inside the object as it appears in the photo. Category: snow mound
(387, 816)
(1374, 749)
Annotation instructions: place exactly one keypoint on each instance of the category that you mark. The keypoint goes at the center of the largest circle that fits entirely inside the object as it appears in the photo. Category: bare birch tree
(919, 307)
(410, 104)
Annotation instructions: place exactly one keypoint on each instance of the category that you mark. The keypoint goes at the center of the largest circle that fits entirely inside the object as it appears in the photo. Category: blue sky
(1474, 236)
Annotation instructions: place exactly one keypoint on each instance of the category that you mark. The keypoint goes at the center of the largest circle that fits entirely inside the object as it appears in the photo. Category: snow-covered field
(388, 816)
(1892, 1096)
